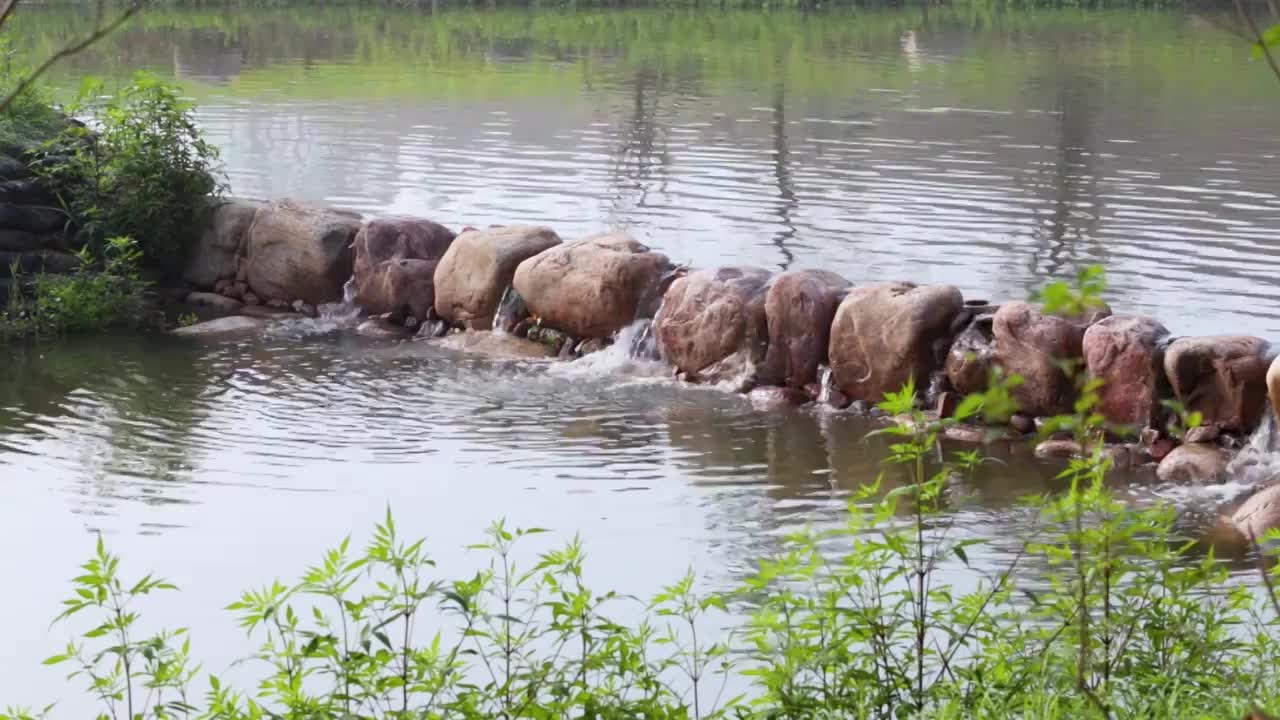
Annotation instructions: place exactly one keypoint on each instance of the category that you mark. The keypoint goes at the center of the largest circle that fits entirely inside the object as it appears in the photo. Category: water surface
(993, 151)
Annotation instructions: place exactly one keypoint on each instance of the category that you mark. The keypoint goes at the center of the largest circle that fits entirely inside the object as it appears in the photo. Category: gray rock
(230, 325)
(31, 218)
(224, 238)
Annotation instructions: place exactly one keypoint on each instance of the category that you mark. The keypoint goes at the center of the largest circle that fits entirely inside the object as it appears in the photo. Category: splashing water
(339, 314)
(825, 381)
(511, 310)
(619, 359)
(1258, 461)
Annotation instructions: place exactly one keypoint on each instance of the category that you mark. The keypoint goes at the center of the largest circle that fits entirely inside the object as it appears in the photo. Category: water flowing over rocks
(395, 266)
(798, 337)
(1223, 377)
(1032, 344)
(712, 324)
(479, 266)
(799, 308)
(590, 288)
(1126, 352)
(298, 251)
(886, 334)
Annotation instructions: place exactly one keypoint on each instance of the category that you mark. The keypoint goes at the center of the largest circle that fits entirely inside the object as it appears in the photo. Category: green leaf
(1270, 39)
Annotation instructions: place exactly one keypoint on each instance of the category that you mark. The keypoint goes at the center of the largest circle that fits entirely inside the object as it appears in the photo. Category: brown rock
(1223, 377)
(1194, 465)
(1023, 423)
(1259, 514)
(478, 267)
(710, 318)
(1203, 434)
(223, 241)
(298, 251)
(1160, 448)
(251, 299)
(590, 288)
(1273, 387)
(1126, 353)
(1032, 344)
(395, 265)
(1058, 449)
(885, 334)
(799, 308)
(219, 303)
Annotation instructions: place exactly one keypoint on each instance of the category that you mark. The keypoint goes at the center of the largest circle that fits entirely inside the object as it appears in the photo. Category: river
(992, 150)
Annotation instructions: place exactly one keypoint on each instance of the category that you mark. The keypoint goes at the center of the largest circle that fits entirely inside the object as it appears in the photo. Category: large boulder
(712, 323)
(479, 266)
(222, 242)
(1126, 352)
(799, 308)
(1194, 464)
(1034, 345)
(590, 288)
(888, 333)
(972, 355)
(56, 262)
(298, 251)
(1223, 377)
(1259, 514)
(395, 265)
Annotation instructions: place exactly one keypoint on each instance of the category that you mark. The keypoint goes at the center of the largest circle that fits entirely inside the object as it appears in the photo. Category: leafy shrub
(139, 167)
(105, 291)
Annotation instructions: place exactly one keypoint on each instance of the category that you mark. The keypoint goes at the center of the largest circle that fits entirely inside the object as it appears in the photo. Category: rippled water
(990, 151)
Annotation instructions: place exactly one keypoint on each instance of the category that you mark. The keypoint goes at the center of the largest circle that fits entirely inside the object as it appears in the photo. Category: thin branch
(1258, 37)
(74, 48)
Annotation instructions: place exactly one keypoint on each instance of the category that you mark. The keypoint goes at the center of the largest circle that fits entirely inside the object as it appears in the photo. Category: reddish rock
(1126, 353)
(712, 324)
(1224, 378)
(1160, 448)
(590, 288)
(799, 308)
(885, 334)
(395, 265)
(1032, 345)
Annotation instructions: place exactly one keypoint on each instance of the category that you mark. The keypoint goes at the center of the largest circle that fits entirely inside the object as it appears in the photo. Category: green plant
(188, 319)
(106, 290)
(130, 664)
(140, 167)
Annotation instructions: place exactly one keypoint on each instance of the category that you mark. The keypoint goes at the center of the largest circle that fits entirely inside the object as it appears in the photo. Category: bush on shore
(139, 167)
